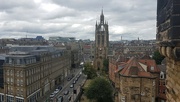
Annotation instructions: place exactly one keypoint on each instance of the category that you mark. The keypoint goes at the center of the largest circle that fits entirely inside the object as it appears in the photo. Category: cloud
(130, 19)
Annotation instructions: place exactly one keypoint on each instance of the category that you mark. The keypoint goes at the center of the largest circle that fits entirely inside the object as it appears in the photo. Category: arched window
(161, 75)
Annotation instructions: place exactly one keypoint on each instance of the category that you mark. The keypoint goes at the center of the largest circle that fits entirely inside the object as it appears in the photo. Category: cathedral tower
(101, 42)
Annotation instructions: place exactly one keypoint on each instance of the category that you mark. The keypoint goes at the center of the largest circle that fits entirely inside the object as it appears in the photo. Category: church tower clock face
(101, 42)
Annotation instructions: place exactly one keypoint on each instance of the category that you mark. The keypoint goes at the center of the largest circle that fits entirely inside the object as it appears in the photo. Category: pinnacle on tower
(102, 17)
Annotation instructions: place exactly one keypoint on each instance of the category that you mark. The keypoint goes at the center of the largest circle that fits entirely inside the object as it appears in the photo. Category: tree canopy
(89, 71)
(158, 57)
(106, 65)
(99, 90)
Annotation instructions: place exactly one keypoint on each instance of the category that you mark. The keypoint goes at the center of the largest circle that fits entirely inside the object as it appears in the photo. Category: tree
(100, 90)
(158, 57)
(106, 65)
(89, 71)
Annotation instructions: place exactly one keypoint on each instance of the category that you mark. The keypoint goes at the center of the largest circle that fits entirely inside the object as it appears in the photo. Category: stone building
(162, 84)
(101, 42)
(33, 74)
(133, 83)
(168, 21)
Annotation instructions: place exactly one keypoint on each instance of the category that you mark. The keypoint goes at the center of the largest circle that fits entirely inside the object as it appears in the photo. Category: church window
(103, 40)
(98, 39)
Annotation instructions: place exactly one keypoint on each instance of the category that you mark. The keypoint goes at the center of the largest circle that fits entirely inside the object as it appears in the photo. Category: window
(21, 73)
(27, 82)
(152, 68)
(7, 72)
(17, 82)
(21, 92)
(98, 39)
(12, 80)
(27, 73)
(164, 91)
(164, 83)
(11, 72)
(8, 80)
(10, 61)
(103, 40)
(19, 100)
(9, 99)
(1, 98)
(18, 61)
(17, 74)
(161, 75)
(21, 82)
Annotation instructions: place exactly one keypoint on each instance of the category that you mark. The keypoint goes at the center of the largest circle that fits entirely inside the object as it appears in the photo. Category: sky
(77, 18)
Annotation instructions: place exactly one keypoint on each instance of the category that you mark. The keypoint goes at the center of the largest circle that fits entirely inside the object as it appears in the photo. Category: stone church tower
(101, 42)
(168, 39)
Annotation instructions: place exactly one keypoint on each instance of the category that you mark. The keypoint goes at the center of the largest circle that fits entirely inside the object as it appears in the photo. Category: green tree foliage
(89, 71)
(106, 65)
(99, 90)
(158, 57)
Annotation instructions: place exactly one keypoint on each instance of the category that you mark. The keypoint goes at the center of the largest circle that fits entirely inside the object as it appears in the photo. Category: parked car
(69, 78)
(56, 91)
(66, 92)
(59, 87)
(52, 95)
(60, 99)
(76, 79)
(71, 86)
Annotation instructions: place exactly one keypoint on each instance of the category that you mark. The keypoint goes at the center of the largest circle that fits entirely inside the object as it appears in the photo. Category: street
(66, 87)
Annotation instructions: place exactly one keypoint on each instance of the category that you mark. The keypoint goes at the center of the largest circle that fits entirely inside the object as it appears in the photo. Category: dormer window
(161, 75)
(10, 61)
(152, 68)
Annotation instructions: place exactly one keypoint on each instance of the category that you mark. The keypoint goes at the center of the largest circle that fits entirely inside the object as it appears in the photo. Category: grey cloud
(10, 4)
(137, 17)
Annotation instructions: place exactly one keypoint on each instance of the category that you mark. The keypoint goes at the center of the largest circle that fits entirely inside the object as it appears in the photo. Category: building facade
(101, 42)
(31, 76)
(133, 83)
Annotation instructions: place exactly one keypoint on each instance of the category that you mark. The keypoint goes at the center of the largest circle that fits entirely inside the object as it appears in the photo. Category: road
(66, 87)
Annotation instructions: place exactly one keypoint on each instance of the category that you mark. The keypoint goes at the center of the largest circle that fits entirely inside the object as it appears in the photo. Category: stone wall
(173, 81)
(137, 89)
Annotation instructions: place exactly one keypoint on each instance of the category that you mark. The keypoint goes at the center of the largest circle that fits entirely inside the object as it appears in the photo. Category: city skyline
(129, 19)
